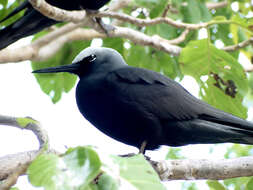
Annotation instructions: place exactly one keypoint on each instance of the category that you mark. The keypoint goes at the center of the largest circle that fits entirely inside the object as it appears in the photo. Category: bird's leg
(107, 28)
(142, 148)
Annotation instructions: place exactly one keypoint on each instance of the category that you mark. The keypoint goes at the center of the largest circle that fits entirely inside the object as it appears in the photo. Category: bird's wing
(21, 7)
(158, 94)
(167, 99)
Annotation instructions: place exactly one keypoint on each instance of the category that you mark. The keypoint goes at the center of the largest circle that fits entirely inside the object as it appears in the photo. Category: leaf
(138, 173)
(216, 97)
(174, 153)
(215, 185)
(107, 182)
(156, 7)
(55, 84)
(76, 169)
(195, 12)
(249, 185)
(115, 43)
(204, 12)
(200, 58)
(164, 30)
(154, 60)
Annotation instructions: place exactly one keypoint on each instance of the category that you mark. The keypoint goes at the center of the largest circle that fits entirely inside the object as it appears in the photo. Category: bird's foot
(142, 148)
(106, 28)
(127, 155)
(133, 154)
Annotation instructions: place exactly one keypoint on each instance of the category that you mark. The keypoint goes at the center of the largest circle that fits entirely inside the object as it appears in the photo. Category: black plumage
(33, 21)
(135, 105)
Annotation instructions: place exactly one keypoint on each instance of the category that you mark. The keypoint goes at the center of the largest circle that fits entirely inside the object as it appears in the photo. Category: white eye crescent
(91, 58)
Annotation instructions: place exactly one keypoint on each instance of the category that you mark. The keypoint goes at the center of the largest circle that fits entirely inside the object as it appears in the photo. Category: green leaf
(215, 185)
(204, 12)
(238, 150)
(174, 153)
(75, 170)
(156, 7)
(216, 97)
(195, 12)
(138, 173)
(14, 188)
(191, 12)
(7, 8)
(164, 30)
(154, 60)
(55, 84)
(249, 185)
(115, 43)
(106, 182)
(200, 58)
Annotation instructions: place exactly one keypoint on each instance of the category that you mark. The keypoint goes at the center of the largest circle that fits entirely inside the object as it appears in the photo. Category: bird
(146, 109)
(33, 21)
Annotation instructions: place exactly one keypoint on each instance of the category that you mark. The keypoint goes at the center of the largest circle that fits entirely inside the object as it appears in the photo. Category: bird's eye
(91, 58)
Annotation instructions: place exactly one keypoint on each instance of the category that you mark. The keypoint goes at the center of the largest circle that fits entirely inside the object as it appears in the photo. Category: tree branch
(12, 166)
(239, 45)
(10, 163)
(58, 14)
(204, 169)
(167, 170)
(216, 5)
(48, 45)
(29, 124)
(149, 22)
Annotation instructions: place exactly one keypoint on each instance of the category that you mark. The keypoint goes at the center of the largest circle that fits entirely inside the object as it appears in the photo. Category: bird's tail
(27, 25)
(7, 36)
(199, 131)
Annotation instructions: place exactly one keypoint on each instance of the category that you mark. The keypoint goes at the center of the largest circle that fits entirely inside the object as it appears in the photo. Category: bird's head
(90, 60)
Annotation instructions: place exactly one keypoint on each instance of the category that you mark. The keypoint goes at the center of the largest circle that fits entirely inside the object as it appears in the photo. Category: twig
(146, 22)
(239, 45)
(28, 124)
(216, 5)
(180, 38)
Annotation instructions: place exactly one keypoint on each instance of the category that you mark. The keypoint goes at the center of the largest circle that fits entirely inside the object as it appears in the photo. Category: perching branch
(204, 169)
(167, 170)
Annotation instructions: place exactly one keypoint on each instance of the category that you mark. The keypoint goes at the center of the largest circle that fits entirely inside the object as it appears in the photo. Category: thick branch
(36, 50)
(56, 13)
(10, 163)
(204, 169)
(167, 170)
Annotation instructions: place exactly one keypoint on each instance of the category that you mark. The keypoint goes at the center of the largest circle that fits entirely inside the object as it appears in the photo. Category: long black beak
(65, 68)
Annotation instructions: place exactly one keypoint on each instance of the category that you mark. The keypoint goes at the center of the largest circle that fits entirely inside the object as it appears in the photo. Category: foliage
(222, 81)
(81, 168)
